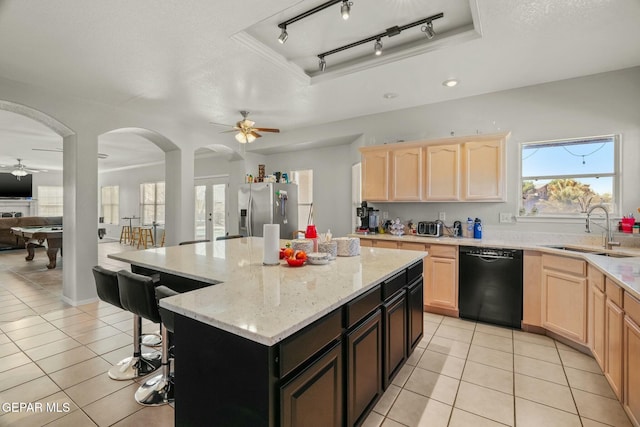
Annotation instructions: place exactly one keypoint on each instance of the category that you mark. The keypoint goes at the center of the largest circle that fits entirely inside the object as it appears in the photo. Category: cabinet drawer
(394, 284)
(632, 307)
(614, 292)
(443, 251)
(296, 350)
(366, 243)
(361, 306)
(567, 264)
(596, 278)
(414, 271)
(411, 246)
(388, 244)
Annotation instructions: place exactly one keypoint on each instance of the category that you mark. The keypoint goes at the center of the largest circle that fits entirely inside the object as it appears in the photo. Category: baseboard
(77, 303)
(451, 312)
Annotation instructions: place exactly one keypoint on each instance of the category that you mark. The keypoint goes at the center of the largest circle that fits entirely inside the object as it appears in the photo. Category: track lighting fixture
(389, 32)
(428, 30)
(377, 48)
(322, 64)
(283, 35)
(345, 9)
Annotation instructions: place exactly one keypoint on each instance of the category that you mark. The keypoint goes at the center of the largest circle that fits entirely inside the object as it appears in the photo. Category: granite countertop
(624, 271)
(265, 303)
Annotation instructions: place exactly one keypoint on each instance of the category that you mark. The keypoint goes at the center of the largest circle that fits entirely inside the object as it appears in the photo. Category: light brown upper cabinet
(484, 170)
(442, 172)
(466, 169)
(406, 174)
(375, 175)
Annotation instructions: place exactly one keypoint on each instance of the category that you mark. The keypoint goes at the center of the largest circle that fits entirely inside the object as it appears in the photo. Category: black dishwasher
(490, 285)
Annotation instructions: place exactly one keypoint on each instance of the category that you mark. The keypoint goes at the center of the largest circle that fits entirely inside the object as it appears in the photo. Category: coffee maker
(368, 218)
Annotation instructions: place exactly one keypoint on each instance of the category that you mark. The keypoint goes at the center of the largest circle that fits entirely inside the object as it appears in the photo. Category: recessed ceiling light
(450, 83)
(390, 95)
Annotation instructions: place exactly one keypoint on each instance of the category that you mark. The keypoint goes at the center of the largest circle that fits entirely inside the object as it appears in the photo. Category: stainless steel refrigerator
(268, 203)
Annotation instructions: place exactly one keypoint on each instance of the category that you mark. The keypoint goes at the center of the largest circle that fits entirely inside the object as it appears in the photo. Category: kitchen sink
(590, 251)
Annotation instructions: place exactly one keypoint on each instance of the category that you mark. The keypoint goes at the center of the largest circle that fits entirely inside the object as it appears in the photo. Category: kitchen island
(276, 345)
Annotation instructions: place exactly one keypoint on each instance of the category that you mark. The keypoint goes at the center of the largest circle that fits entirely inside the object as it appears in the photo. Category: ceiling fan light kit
(19, 170)
(246, 132)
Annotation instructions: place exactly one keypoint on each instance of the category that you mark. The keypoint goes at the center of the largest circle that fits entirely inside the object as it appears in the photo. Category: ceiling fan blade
(55, 150)
(34, 170)
(268, 130)
(254, 133)
(220, 124)
(230, 130)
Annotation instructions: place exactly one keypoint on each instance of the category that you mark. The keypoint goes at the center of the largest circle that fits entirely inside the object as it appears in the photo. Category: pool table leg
(52, 253)
(30, 251)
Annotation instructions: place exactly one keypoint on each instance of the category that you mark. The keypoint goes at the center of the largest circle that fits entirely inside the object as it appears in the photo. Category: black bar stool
(229, 236)
(158, 390)
(134, 297)
(139, 364)
(191, 242)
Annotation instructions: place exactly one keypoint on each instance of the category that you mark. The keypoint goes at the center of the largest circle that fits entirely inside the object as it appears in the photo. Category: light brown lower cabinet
(597, 311)
(631, 395)
(613, 357)
(441, 280)
(597, 324)
(564, 304)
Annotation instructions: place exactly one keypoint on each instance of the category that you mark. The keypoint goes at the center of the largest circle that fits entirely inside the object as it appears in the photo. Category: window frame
(111, 206)
(155, 203)
(41, 205)
(616, 176)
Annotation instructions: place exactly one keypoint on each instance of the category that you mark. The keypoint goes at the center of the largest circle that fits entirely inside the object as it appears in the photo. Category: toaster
(430, 228)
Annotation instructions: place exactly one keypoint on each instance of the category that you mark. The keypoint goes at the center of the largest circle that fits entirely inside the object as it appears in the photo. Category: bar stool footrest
(133, 367)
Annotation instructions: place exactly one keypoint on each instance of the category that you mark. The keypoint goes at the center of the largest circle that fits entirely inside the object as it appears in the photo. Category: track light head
(322, 64)
(428, 30)
(345, 9)
(377, 48)
(283, 35)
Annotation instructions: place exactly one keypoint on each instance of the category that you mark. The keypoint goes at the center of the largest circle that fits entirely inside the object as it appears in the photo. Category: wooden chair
(135, 235)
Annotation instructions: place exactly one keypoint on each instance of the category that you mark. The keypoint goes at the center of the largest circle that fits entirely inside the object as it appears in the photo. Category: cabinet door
(416, 313)
(375, 175)
(613, 344)
(442, 172)
(395, 330)
(632, 369)
(564, 308)
(597, 313)
(483, 170)
(364, 367)
(406, 167)
(314, 397)
(441, 283)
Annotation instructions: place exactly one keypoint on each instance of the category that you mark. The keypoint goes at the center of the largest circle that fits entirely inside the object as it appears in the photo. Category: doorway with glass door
(211, 208)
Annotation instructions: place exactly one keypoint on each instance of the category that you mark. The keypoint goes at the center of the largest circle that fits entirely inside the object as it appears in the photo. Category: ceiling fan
(246, 132)
(59, 150)
(20, 169)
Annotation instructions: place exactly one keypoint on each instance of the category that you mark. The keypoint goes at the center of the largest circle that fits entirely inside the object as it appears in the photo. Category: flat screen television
(10, 187)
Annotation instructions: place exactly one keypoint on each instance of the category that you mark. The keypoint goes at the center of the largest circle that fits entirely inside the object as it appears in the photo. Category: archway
(178, 178)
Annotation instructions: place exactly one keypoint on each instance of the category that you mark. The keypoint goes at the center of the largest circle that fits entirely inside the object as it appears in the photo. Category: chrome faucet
(608, 242)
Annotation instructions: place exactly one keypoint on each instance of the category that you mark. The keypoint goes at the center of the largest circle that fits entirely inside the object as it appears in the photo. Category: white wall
(129, 181)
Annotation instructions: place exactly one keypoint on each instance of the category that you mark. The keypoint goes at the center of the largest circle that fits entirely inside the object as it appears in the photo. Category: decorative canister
(330, 248)
(302, 245)
(348, 246)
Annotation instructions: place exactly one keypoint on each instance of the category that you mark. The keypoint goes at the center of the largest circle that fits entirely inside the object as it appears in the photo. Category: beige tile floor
(461, 374)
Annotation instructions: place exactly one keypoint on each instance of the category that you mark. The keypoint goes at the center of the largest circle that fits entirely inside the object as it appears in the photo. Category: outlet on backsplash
(442, 216)
(506, 217)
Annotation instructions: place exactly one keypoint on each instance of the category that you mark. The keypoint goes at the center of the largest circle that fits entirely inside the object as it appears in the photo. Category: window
(50, 201)
(110, 200)
(152, 202)
(304, 179)
(567, 177)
